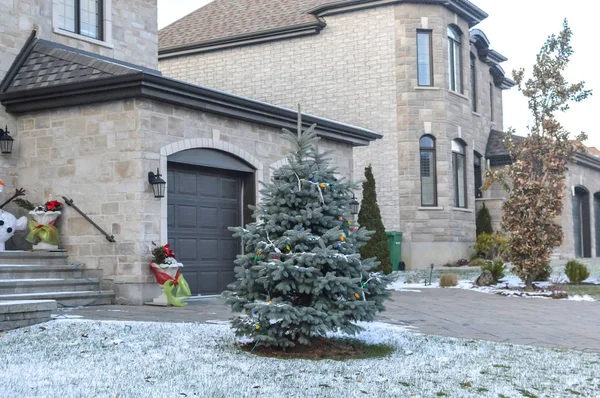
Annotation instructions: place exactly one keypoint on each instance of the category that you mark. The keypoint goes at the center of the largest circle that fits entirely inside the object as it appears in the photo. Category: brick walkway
(446, 312)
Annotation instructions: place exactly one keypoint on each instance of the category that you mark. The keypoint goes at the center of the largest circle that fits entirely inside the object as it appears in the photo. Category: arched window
(428, 171)
(478, 174)
(454, 59)
(459, 173)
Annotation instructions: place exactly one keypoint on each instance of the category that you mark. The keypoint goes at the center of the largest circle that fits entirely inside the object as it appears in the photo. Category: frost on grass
(72, 358)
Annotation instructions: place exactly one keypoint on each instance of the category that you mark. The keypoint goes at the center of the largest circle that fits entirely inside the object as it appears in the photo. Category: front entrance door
(202, 203)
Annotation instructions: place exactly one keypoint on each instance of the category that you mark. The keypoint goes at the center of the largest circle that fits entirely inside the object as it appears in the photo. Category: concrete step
(30, 271)
(42, 285)
(17, 314)
(71, 298)
(33, 258)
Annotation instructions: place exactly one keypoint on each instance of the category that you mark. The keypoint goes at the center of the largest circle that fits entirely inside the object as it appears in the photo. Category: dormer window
(82, 17)
(454, 60)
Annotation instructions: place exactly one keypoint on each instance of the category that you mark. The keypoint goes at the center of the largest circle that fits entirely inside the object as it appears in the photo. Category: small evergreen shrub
(478, 262)
(369, 217)
(496, 268)
(483, 222)
(576, 271)
(448, 280)
(414, 276)
(544, 276)
(491, 246)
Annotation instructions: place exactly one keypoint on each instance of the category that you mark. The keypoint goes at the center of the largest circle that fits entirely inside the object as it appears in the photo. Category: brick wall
(361, 69)
(100, 155)
(134, 39)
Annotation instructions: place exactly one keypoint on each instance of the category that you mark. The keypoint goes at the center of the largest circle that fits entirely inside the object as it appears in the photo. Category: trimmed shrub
(544, 276)
(463, 262)
(483, 222)
(491, 246)
(576, 271)
(448, 280)
(369, 217)
(496, 268)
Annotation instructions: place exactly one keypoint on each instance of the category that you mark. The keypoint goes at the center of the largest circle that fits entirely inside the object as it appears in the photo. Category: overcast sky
(516, 29)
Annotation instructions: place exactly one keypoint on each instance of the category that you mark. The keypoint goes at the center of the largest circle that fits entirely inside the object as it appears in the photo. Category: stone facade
(362, 69)
(132, 25)
(99, 156)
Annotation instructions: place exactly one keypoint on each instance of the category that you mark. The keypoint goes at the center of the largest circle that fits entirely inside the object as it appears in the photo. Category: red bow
(169, 252)
(162, 277)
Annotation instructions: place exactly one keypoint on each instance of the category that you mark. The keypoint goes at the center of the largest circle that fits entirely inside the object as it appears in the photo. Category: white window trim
(106, 26)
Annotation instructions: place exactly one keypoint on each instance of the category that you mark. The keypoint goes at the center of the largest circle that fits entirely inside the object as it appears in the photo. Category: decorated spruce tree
(370, 218)
(302, 274)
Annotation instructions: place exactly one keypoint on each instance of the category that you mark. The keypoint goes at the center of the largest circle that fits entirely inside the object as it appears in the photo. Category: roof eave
(142, 85)
(243, 40)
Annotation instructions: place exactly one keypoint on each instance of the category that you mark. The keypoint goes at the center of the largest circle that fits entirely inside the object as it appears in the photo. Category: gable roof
(47, 75)
(226, 23)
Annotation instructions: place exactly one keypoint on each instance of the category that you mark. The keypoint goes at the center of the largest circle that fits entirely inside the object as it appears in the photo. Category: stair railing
(108, 237)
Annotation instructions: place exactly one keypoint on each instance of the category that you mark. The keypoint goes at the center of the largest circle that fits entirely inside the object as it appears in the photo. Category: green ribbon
(177, 292)
(42, 233)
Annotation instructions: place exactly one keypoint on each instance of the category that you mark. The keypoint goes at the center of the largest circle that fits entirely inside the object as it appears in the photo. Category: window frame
(478, 179)
(429, 33)
(492, 102)
(433, 153)
(77, 21)
(456, 156)
(473, 83)
(454, 47)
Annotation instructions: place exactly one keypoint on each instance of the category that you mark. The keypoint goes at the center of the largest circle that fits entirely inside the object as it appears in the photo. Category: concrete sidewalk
(445, 312)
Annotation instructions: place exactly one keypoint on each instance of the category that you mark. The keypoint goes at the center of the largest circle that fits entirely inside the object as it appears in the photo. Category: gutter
(162, 89)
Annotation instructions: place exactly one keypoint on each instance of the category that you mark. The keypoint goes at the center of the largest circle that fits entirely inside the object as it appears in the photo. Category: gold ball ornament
(270, 302)
(257, 327)
(322, 185)
(342, 238)
(356, 295)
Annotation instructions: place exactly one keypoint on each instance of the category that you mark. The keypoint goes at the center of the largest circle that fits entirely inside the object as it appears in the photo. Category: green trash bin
(395, 246)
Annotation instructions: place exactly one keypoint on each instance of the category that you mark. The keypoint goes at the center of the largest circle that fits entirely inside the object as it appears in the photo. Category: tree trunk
(529, 284)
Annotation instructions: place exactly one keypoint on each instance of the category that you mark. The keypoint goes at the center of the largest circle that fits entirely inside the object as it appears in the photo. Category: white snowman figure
(9, 224)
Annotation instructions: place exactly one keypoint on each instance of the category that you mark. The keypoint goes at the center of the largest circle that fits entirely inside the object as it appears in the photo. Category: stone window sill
(462, 209)
(430, 208)
(427, 88)
(83, 38)
(459, 95)
(488, 199)
(476, 114)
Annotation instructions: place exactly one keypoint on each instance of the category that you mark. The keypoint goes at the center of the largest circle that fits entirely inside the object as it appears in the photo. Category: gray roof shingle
(223, 20)
(496, 151)
(49, 64)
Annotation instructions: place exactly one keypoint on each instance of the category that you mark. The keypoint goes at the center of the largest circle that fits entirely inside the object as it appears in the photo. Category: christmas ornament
(322, 186)
(257, 327)
(341, 218)
(342, 238)
(356, 295)
(276, 257)
(270, 302)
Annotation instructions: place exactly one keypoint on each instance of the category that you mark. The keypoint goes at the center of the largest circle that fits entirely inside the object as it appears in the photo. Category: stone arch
(209, 143)
(275, 165)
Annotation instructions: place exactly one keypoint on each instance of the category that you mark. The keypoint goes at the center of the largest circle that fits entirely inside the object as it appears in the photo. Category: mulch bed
(322, 348)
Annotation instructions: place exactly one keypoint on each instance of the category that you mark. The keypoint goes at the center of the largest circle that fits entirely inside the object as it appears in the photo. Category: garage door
(202, 203)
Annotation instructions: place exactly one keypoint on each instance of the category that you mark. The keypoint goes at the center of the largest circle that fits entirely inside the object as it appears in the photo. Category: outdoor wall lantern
(354, 205)
(158, 184)
(6, 141)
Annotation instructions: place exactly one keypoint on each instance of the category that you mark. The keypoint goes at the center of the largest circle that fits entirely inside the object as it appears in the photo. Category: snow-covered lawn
(415, 281)
(73, 358)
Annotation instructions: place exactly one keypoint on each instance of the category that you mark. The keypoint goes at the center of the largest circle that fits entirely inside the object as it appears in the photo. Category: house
(91, 117)
(418, 71)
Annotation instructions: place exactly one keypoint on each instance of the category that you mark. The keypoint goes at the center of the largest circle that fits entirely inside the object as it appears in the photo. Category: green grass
(583, 289)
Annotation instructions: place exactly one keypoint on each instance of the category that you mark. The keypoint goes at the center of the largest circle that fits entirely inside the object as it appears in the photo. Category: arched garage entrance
(208, 191)
(581, 222)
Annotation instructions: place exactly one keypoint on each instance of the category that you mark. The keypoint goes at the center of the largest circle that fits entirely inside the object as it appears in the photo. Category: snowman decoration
(9, 224)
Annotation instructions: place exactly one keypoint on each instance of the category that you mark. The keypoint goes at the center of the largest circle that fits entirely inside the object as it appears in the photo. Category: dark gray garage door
(202, 204)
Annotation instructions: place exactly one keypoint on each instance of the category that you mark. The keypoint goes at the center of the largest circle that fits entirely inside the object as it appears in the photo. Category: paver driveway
(446, 312)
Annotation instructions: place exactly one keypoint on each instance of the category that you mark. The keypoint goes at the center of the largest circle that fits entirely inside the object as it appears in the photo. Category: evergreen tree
(369, 217)
(483, 222)
(301, 275)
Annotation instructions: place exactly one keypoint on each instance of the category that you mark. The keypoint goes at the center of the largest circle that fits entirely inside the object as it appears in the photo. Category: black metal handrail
(109, 238)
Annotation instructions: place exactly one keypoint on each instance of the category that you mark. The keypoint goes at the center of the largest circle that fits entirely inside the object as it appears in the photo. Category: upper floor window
(428, 171)
(459, 173)
(454, 57)
(83, 17)
(478, 174)
(424, 58)
(473, 83)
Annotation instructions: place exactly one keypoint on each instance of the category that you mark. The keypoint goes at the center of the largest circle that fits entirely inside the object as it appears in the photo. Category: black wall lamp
(6, 141)
(158, 184)
(354, 205)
